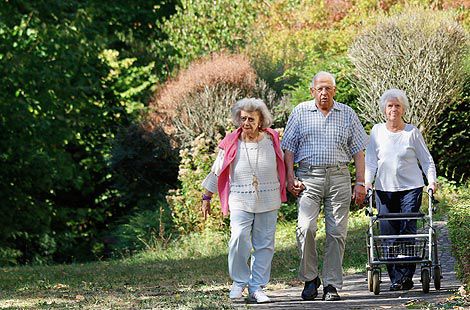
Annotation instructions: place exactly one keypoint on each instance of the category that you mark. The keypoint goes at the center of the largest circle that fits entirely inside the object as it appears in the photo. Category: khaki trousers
(329, 187)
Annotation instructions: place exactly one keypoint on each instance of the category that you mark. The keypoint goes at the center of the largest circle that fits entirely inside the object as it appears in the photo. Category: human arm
(210, 184)
(426, 160)
(294, 186)
(290, 144)
(359, 192)
(357, 143)
(371, 160)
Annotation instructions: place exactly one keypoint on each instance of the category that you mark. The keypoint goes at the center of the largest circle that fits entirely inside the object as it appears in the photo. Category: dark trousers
(399, 202)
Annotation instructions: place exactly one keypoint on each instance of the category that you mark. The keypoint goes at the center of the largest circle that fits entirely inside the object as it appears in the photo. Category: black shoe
(311, 289)
(330, 293)
(406, 284)
(395, 287)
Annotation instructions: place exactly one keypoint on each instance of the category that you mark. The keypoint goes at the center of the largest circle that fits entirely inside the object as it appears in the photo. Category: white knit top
(242, 192)
(393, 158)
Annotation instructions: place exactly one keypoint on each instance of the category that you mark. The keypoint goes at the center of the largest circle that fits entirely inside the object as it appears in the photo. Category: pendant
(255, 184)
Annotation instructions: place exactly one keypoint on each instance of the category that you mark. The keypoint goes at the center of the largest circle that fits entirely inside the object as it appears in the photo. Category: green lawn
(190, 273)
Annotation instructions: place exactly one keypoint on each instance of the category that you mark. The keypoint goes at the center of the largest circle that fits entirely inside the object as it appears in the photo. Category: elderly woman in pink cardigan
(249, 175)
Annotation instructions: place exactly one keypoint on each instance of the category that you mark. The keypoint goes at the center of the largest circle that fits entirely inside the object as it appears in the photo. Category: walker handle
(431, 200)
(369, 211)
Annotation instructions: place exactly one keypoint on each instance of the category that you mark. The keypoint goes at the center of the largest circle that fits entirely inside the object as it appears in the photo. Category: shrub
(144, 163)
(198, 100)
(420, 52)
(142, 230)
(185, 202)
(216, 69)
(450, 144)
(9, 256)
(199, 28)
(226, 72)
(459, 230)
(208, 112)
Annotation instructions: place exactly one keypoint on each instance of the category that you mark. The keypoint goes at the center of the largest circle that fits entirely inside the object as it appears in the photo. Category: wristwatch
(361, 184)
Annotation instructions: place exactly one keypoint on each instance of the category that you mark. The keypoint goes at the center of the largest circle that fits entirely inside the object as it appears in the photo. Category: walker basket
(400, 250)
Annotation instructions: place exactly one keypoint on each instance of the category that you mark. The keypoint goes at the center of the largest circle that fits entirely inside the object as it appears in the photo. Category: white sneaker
(259, 296)
(236, 291)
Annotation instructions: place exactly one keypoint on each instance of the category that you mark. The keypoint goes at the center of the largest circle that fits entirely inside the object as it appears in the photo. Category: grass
(190, 273)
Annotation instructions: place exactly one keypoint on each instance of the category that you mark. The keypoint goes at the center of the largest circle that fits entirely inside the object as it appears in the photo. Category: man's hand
(359, 194)
(295, 187)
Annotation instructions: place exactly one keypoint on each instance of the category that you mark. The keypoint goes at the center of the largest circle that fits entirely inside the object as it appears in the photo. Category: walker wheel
(376, 282)
(370, 281)
(437, 275)
(425, 279)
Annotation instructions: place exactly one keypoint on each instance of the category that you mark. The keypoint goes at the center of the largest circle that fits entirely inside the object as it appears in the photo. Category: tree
(63, 99)
(420, 52)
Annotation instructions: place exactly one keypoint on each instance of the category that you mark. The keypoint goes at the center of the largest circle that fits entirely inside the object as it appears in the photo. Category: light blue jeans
(251, 231)
(329, 187)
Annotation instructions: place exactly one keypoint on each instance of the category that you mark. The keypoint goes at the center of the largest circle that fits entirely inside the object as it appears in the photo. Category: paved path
(355, 294)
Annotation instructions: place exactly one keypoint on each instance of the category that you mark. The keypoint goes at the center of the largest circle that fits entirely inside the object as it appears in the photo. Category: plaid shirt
(323, 141)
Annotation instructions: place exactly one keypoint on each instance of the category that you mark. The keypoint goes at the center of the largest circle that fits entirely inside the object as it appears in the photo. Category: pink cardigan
(230, 145)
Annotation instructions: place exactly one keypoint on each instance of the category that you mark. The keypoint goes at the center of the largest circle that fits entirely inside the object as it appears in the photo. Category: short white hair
(321, 73)
(391, 94)
(252, 105)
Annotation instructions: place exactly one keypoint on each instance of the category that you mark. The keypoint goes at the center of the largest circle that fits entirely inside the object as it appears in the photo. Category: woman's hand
(206, 208)
(433, 187)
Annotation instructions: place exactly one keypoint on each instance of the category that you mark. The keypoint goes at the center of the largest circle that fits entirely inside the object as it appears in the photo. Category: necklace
(254, 181)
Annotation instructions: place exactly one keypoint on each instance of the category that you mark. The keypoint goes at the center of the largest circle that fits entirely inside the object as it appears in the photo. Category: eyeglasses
(249, 119)
(326, 88)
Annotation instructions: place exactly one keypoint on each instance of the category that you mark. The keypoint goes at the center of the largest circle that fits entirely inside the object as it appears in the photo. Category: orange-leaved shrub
(199, 99)
(218, 69)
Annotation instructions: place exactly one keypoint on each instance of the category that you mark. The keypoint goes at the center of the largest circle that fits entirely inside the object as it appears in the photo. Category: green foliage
(185, 202)
(40, 126)
(143, 230)
(62, 103)
(450, 145)
(459, 230)
(144, 165)
(199, 28)
(9, 256)
(288, 210)
(76, 161)
(128, 81)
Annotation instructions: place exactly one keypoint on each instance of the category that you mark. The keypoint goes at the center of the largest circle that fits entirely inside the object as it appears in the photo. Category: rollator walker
(419, 248)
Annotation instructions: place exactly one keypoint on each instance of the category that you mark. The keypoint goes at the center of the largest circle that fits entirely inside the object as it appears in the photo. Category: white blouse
(392, 157)
(243, 195)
